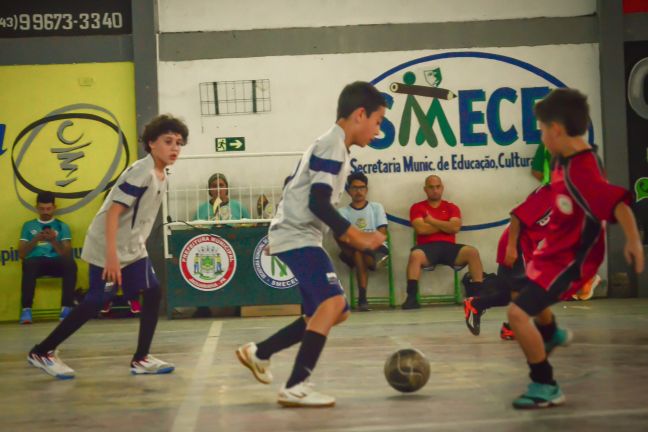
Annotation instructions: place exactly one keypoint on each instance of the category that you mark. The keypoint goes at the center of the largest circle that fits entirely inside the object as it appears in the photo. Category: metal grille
(234, 97)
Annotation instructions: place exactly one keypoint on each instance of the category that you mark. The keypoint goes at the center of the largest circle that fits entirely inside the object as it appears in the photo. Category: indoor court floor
(604, 375)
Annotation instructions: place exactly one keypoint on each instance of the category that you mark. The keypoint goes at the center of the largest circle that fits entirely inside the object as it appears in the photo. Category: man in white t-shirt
(368, 217)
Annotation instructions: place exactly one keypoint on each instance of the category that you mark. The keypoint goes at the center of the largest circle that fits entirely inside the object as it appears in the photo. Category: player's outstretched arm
(362, 240)
(320, 204)
(633, 249)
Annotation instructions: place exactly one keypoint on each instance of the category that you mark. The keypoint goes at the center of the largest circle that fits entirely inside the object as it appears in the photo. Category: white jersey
(138, 189)
(369, 218)
(326, 162)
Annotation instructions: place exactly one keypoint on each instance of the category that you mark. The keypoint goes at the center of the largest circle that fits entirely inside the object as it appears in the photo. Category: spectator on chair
(436, 223)
(369, 217)
(220, 206)
(46, 250)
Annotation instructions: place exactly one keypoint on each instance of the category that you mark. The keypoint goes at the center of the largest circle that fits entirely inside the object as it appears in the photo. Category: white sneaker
(260, 368)
(151, 365)
(302, 395)
(51, 364)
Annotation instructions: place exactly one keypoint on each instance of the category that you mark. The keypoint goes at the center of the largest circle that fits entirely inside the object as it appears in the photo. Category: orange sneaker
(587, 291)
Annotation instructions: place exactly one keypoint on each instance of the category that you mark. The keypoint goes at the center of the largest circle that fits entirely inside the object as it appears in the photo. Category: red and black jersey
(534, 214)
(574, 247)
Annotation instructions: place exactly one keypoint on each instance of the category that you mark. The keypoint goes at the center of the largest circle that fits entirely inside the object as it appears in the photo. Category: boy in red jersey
(582, 202)
(528, 227)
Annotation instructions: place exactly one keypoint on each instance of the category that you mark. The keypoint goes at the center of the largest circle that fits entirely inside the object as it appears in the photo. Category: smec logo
(468, 118)
(270, 269)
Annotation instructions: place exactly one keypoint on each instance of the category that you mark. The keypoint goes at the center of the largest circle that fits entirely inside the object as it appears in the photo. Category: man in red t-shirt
(436, 223)
(528, 227)
(582, 203)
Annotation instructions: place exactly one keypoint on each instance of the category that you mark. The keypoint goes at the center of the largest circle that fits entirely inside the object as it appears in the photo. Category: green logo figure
(641, 189)
(435, 113)
(283, 268)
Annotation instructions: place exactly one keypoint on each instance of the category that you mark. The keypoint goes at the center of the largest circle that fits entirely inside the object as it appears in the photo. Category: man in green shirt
(46, 250)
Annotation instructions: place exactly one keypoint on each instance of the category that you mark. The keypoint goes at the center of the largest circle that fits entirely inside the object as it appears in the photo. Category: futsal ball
(407, 370)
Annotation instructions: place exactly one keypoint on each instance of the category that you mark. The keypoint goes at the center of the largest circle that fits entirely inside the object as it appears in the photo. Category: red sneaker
(506, 332)
(106, 307)
(473, 316)
(135, 306)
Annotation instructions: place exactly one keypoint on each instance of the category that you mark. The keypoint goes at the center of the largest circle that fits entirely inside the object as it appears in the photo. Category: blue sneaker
(540, 396)
(65, 311)
(562, 337)
(26, 316)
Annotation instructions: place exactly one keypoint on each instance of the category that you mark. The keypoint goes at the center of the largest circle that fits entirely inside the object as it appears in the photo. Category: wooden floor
(604, 375)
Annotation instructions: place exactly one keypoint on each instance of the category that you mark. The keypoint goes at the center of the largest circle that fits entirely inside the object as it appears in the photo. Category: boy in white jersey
(368, 216)
(296, 232)
(115, 248)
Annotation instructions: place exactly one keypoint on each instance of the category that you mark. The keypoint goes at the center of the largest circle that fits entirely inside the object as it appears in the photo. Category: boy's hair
(45, 197)
(160, 125)
(567, 107)
(356, 95)
(359, 176)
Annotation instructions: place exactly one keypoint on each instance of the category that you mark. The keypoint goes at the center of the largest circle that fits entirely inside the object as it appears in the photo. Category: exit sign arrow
(227, 144)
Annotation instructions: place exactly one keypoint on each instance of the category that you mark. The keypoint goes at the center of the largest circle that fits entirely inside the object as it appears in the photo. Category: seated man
(436, 222)
(220, 206)
(45, 250)
(368, 217)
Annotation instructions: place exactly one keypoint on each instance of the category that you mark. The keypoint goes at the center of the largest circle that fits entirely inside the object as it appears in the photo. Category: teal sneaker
(562, 337)
(540, 396)
(26, 316)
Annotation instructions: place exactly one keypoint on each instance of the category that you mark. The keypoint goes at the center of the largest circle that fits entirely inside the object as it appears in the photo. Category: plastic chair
(47, 298)
(456, 297)
(376, 300)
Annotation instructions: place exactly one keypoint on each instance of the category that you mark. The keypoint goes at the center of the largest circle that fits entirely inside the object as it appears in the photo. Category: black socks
(547, 331)
(542, 372)
(412, 287)
(148, 321)
(284, 338)
(73, 322)
(307, 357)
(362, 295)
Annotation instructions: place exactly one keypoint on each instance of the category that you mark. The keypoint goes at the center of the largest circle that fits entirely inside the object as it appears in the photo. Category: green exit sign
(228, 144)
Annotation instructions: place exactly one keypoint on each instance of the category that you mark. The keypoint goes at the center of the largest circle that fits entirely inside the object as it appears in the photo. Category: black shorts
(533, 299)
(440, 252)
